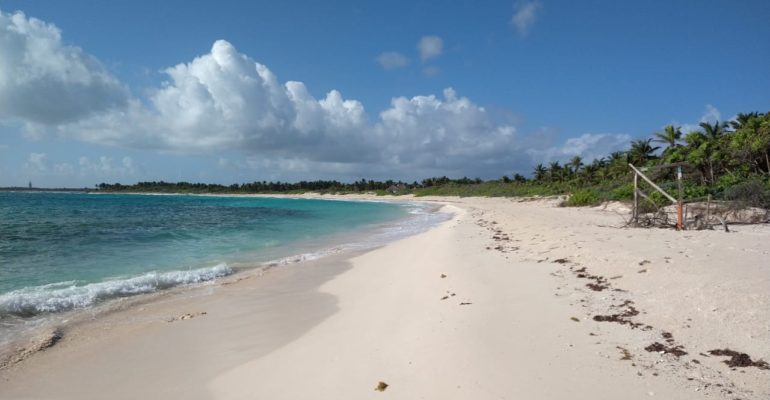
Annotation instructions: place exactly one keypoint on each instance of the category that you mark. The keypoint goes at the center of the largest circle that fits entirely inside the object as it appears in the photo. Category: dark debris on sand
(623, 318)
(738, 359)
(599, 282)
(657, 347)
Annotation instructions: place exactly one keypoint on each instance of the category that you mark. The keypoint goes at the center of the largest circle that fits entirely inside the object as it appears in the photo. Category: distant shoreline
(27, 189)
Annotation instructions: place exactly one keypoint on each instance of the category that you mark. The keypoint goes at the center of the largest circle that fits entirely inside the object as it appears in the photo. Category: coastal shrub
(583, 197)
(623, 192)
(728, 181)
(695, 192)
(753, 193)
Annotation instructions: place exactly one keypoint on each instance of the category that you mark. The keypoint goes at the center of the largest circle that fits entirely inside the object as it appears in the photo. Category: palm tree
(712, 148)
(713, 131)
(594, 170)
(616, 164)
(742, 119)
(555, 171)
(670, 137)
(641, 151)
(540, 172)
(576, 162)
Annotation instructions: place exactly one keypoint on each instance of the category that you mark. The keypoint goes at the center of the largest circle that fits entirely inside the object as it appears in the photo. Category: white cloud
(64, 169)
(392, 60)
(710, 115)
(129, 167)
(37, 163)
(525, 16)
(43, 81)
(429, 132)
(588, 146)
(430, 71)
(224, 101)
(223, 162)
(430, 47)
(104, 167)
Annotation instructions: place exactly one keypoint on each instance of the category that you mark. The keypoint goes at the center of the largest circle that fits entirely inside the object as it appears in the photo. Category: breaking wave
(64, 296)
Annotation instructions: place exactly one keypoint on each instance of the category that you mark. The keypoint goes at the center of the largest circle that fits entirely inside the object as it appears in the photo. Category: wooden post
(656, 187)
(636, 199)
(679, 205)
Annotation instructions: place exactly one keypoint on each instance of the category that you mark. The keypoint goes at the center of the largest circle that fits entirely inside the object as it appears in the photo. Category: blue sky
(231, 91)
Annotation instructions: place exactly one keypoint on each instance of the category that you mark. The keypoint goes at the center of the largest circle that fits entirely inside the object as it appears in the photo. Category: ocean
(61, 252)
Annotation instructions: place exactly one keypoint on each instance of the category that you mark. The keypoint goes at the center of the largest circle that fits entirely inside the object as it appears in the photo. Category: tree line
(266, 187)
(733, 150)
(720, 159)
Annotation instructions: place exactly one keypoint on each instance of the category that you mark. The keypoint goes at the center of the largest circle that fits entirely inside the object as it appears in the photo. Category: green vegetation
(729, 161)
(584, 197)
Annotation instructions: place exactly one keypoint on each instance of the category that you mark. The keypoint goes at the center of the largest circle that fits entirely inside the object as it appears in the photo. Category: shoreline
(495, 302)
(37, 332)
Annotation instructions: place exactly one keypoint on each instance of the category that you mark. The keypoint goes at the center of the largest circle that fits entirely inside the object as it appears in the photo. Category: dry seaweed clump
(738, 359)
(657, 347)
(622, 318)
(381, 386)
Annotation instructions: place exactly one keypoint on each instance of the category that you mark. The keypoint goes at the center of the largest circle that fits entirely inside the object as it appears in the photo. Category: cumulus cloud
(45, 82)
(430, 47)
(37, 163)
(525, 16)
(392, 60)
(225, 101)
(589, 146)
(710, 115)
(429, 132)
(64, 169)
(105, 167)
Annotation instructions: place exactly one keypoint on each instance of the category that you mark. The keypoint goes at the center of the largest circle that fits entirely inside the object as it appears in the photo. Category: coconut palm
(575, 164)
(742, 119)
(540, 172)
(555, 171)
(713, 131)
(641, 151)
(669, 136)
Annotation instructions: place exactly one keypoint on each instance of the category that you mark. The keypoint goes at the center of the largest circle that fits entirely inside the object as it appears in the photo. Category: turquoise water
(63, 251)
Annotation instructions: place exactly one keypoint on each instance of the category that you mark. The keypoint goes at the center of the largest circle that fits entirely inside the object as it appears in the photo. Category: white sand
(334, 328)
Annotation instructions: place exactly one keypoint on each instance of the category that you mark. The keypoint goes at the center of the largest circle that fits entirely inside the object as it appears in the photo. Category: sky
(234, 92)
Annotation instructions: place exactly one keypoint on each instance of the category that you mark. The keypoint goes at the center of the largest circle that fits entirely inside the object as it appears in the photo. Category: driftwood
(704, 215)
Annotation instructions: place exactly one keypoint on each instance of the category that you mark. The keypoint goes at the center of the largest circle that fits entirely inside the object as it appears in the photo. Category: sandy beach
(509, 299)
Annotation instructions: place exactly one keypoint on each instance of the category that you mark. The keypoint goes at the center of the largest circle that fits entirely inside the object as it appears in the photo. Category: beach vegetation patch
(583, 197)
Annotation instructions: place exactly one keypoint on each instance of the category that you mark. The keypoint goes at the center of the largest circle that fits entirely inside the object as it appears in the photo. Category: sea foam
(64, 296)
